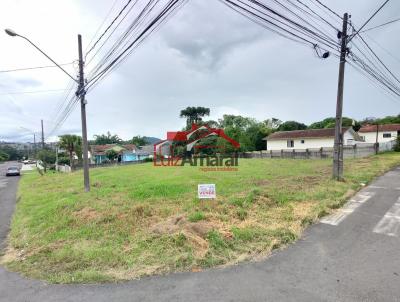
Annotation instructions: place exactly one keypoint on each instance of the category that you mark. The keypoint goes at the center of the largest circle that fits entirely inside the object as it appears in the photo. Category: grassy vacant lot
(140, 220)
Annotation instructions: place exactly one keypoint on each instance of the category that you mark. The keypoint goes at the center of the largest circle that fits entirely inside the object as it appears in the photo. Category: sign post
(206, 191)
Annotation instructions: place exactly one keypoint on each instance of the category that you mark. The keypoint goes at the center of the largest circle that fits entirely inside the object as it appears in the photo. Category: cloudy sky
(205, 55)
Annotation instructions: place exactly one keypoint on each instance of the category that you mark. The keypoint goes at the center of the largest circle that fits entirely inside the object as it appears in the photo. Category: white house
(309, 139)
(382, 133)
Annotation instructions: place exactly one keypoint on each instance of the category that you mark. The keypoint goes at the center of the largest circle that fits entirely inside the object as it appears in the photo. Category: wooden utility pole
(338, 146)
(42, 135)
(82, 93)
(376, 139)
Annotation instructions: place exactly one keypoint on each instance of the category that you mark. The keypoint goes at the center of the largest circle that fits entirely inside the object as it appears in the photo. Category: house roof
(309, 133)
(102, 149)
(372, 128)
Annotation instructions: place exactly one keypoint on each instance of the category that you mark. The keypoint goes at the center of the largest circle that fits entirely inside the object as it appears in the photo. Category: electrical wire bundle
(295, 20)
(146, 18)
(363, 58)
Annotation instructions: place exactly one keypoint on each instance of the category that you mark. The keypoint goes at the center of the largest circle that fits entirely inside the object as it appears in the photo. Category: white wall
(370, 137)
(310, 143)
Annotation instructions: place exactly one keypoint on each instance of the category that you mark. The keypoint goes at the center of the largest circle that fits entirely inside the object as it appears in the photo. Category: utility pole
(81, 93)
(56, 158)
(42, 135)
(34, 144)
(338, 146)
(376, 140)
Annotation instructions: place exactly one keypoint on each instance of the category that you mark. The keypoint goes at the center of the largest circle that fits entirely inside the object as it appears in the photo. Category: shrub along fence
(354, 151)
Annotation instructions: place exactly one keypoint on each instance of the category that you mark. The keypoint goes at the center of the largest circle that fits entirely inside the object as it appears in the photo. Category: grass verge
(141, 220)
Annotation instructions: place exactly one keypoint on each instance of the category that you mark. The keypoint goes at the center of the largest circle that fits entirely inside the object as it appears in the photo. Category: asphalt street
(353, 255)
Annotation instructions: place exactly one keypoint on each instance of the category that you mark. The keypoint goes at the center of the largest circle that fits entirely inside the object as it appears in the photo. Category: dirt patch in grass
(126, 229)
(87, 214)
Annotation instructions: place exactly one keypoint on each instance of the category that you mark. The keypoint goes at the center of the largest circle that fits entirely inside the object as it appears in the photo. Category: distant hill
(151, 140)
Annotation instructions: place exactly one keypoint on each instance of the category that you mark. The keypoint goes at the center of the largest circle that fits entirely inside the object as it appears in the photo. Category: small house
(309, 139)
(379, 133)
(125, 153)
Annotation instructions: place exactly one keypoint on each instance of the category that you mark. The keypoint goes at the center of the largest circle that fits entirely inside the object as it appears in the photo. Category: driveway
(353, 255)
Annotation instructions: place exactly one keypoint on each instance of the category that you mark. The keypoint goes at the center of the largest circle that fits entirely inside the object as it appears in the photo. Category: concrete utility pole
(81, 93)
(42, 134)
(376, 139)
(34, 144)
(338, 146)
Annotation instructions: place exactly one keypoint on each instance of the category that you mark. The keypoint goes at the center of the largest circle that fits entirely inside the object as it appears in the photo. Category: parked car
(13, 171)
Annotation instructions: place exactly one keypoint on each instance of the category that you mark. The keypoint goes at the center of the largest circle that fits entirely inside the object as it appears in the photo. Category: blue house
(126, 153)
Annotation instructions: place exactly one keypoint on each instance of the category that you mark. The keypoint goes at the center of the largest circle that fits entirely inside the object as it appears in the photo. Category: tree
(138, 140)
(72, 144)
(13, 153)
(111, 154)
(291, 125)
(247, 131)
(3, 156)
(105, 139)
(331, 121)
(390, 119)
(194, 114)
(47, 157)
(273, 123)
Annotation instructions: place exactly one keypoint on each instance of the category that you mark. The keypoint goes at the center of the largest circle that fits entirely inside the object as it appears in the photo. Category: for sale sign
(206, 191)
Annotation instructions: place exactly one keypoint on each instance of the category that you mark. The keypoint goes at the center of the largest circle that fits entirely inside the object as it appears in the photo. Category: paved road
(353, 255)
(8, 188)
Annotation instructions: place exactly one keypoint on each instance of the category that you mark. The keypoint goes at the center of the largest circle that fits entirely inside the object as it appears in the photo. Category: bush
(63, 161)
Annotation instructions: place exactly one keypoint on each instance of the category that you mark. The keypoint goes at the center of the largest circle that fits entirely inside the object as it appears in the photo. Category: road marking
(390, 223)
(377, 187)
(348, 208)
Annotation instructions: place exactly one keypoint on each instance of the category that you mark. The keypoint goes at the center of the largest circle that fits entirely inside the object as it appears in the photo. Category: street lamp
(12, 33)
(81, 93)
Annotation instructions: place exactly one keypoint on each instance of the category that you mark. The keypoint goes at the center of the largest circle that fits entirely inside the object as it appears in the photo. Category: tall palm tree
(71, 143)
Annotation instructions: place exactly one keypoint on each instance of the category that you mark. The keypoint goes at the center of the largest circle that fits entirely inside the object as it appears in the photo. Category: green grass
(63, 235)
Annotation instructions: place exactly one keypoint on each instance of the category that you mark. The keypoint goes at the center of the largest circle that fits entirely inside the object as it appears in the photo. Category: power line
(102, 23)
(384, 49)
(378, 26)
(313, 13)
(370, 18)
(32, 68)
(109, 26)
(148, 29)
(329, 9)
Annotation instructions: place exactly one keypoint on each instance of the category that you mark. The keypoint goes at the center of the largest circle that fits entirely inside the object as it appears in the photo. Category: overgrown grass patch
(63, 235)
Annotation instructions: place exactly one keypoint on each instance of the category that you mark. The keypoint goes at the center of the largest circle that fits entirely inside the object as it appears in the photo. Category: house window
(387, 135)
(290, 143)
(302, 141)
(362, 138)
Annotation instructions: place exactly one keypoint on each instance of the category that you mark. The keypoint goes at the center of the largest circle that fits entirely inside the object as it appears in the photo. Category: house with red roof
(309, 139)
(379, 133)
